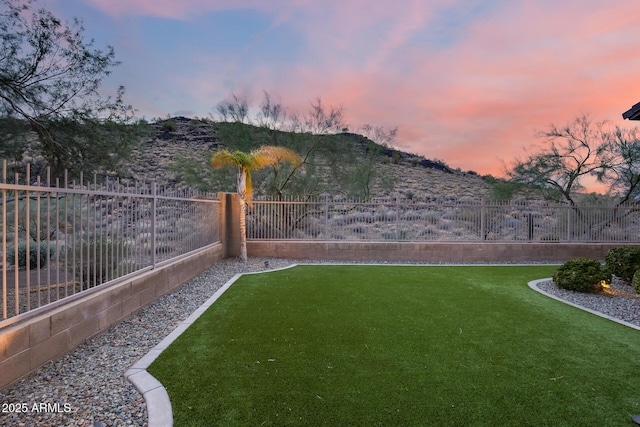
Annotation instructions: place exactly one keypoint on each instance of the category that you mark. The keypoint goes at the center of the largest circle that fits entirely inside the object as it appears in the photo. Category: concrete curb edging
(155, 395)
(534, 285)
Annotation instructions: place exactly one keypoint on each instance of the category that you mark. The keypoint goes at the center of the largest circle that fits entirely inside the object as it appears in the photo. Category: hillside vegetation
(176, 153)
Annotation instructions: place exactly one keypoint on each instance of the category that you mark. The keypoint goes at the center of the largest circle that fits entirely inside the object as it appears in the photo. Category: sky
(468, 82)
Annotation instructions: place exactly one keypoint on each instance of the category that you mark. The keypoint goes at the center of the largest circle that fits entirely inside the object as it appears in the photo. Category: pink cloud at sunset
(465, 82)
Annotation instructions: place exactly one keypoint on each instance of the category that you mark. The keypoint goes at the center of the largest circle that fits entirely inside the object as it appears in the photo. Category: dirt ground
(52, 284)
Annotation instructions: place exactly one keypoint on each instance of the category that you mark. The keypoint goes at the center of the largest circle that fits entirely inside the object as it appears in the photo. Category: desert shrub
(582, 275)
(635, 281)
(623, 261)
(169, 125)
(451, 214)
(96, 262)
(446, 224)
(396, 157)
(552, 237)
(385, 216)
(358, 229)
(33, 254)
(400, 235)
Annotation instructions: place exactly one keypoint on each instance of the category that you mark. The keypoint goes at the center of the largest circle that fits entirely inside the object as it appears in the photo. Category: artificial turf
(400, 346)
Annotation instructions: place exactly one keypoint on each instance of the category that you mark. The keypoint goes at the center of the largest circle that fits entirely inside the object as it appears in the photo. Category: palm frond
(246, 162)
(268, 155)
(223, 158)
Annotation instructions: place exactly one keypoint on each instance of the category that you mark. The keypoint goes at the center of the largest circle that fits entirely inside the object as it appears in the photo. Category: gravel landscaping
(620, 301)
(87, 386)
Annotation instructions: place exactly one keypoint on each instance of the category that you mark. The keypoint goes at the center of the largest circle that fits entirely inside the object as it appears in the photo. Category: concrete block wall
(29, 344)
(231, 208)
(438, 252)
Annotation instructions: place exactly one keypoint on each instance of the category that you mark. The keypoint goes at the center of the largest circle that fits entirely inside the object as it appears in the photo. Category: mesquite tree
(50, 78)
(580, 149)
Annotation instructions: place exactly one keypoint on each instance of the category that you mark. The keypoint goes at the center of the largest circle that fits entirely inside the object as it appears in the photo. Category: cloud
(467, 82)
(176, 9)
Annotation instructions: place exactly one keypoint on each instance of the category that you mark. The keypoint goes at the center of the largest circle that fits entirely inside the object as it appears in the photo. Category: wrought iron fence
(62, 238)
(396, 219)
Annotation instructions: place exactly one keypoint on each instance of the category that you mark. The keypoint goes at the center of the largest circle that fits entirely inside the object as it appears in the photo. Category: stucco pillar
(230, 223)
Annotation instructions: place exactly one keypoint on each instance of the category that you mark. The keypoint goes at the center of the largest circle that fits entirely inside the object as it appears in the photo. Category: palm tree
(246, 162)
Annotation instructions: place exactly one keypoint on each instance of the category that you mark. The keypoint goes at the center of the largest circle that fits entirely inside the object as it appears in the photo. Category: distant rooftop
(633, 113)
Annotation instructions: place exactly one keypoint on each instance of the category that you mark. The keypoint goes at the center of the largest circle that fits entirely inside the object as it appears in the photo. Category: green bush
(635, 282)
(169, 125)
(582, 275)
(623, 261)
(33, 254)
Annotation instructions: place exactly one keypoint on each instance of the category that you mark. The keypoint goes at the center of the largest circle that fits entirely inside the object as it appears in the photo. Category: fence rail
(396, 219)
(60, 239)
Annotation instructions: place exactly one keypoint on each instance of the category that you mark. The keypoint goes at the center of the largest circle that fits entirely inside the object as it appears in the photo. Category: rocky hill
(167, 141)
(404, 174)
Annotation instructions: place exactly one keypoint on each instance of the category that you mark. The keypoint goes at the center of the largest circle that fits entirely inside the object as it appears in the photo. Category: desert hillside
(401, 173)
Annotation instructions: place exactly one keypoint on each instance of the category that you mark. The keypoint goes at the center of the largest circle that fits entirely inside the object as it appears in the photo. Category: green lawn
(400, 346)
